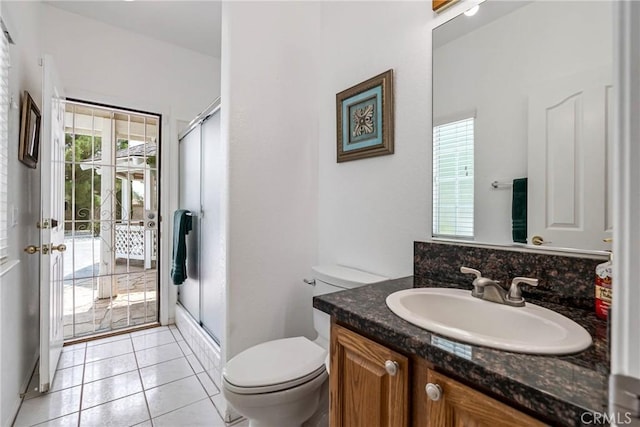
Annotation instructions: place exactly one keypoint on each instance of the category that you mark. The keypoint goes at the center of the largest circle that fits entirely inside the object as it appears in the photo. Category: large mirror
(522, 124)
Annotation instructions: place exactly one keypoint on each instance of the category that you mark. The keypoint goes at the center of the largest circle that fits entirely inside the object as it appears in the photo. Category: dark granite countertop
(559, 389)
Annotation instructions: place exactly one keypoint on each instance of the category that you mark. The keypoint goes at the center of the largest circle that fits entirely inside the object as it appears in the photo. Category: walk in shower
(202, 191)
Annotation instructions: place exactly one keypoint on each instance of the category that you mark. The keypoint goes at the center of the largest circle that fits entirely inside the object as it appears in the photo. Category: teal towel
(519, 210)
(181, 227)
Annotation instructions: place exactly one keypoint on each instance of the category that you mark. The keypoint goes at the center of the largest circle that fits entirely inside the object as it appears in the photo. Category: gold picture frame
(364, 114)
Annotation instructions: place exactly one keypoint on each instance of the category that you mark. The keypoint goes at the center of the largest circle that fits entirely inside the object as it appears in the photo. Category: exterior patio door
(110, 219)
(51, 225)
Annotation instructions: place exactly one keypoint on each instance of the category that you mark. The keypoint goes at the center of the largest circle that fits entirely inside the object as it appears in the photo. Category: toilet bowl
(282, 383)
(276, 383)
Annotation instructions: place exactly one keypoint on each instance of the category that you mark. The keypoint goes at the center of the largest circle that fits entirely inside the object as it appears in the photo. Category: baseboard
(208, 353)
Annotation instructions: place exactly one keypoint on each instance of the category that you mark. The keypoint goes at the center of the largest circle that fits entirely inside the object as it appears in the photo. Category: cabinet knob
(434, 391)
(391, 367)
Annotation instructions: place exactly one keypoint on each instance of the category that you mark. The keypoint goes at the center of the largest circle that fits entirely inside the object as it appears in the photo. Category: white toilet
(282, 382)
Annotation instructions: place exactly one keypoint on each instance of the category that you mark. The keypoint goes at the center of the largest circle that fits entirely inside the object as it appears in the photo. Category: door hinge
(624, 397)
(40, 62)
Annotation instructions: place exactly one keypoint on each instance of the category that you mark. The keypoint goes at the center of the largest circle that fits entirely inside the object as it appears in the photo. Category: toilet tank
(334, 278)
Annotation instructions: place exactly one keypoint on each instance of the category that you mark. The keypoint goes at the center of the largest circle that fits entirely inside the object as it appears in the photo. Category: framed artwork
(440, 5)
(365, 119)
(29, 132)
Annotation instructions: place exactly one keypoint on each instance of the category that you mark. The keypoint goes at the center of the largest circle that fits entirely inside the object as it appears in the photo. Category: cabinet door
(461, 406)
(369, 383)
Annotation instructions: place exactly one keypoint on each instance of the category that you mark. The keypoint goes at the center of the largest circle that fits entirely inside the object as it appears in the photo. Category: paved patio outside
(135, 302)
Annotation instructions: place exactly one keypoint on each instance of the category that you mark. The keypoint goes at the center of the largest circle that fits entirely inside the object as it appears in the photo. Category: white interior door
(569, 161)
(52, 149)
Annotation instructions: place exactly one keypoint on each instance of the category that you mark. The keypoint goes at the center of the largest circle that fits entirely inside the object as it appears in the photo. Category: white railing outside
(134, 242)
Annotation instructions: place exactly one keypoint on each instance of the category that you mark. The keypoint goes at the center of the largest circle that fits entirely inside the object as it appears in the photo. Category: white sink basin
(456, 314)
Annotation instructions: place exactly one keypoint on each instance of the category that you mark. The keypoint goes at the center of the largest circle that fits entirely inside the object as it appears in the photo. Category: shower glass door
(190, 188)
(202, 184)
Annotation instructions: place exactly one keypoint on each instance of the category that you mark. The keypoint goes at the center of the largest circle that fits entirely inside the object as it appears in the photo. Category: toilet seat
(274, 366)
(274, 387)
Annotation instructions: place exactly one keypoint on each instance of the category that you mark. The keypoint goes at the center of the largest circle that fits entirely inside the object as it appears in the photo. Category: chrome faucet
(490, 290)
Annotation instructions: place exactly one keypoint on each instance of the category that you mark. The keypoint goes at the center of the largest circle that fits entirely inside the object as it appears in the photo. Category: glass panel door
(111, 211)
(190, 187)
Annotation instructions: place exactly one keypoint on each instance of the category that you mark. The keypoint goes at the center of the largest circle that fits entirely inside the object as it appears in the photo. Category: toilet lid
(275, 362)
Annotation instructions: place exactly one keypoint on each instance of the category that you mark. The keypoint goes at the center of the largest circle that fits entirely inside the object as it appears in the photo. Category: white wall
(494, 75)
(97, 63)
(19, 291)
(278, 120)
(269, 123)
(372, 210)
(625, 320)
(108, 64)
(101, 63)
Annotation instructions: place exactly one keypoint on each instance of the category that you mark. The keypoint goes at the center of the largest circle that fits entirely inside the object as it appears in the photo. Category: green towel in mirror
(519, 210)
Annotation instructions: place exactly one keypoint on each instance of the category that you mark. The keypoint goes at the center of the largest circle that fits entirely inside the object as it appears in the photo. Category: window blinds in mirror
(453, 179)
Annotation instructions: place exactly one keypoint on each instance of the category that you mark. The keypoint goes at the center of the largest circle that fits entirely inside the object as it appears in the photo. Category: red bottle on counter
(603, 289)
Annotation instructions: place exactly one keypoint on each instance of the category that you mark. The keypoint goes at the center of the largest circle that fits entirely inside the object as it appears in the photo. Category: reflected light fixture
(473, 10)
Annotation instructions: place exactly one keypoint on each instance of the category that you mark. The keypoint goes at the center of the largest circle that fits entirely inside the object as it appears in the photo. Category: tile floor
(145, 378)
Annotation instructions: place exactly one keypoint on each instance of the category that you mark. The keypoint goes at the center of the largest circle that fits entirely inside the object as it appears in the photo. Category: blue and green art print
(362, 120)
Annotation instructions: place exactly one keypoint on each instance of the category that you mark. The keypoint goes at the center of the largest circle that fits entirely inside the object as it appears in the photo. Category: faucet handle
(514, 294)
(467, 270)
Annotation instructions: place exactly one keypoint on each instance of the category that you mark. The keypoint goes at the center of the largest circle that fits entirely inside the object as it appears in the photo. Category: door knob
(434, 391)
(391, 367)
(32, 249)
(61, 247)
(538, 240)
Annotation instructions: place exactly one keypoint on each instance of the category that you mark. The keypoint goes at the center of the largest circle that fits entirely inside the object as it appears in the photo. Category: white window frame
(5, 104)
(463, 157)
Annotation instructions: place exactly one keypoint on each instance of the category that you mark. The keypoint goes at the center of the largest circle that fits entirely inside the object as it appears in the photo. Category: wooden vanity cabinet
(460, 405)
(368, 383)
(374, 386)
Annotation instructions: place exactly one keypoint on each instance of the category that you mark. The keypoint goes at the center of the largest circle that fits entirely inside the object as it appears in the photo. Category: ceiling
(461, 25)
(194, 25)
